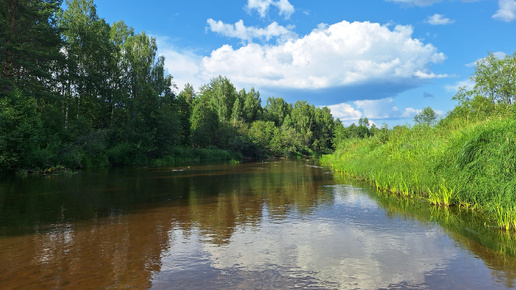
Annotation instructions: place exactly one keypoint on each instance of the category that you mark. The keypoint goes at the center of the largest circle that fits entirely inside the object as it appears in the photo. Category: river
(261, 225)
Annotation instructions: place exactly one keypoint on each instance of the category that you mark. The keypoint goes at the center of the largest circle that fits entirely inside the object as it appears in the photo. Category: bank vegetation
(466, 159)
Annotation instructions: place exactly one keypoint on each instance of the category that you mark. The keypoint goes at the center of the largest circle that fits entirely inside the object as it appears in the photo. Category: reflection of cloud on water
(352, 244)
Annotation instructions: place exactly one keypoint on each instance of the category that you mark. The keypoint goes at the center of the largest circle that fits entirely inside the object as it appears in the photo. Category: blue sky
(381, 59)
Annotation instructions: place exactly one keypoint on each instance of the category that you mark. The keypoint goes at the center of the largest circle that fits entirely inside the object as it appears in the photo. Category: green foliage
(29, 46)
(94, 94)
(221, 94)
(205, 124)
(494, 79)
(426, 117)
(276, 110)
(19, 131)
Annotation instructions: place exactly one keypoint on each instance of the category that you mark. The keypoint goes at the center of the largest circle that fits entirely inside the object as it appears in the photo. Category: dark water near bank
(276, 225)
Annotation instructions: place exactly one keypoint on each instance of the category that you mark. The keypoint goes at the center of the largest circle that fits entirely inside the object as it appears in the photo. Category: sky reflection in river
(348, 244)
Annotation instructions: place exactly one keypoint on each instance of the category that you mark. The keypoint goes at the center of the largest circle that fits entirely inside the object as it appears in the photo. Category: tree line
(79, 92)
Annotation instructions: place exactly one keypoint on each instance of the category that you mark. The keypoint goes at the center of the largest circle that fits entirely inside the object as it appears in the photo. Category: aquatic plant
(442, 196)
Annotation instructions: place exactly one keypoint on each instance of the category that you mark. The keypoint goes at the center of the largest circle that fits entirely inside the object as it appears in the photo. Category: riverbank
(456, 163)
(69, 163)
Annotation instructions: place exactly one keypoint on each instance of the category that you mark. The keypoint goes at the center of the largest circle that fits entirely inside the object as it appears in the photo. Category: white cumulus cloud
(507, 11)
(183, 65)
(331, 56)
(285, 8)
(438, 19)
(384, 109)
(454, 88)
(240, 31)
(345, 112)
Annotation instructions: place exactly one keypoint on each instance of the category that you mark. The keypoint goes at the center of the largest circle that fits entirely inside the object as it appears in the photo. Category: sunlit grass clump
(469, 164)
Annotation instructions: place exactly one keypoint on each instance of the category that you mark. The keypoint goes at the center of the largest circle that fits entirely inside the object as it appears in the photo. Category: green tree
(119, 80)
(88, 51)
(222, 95)
(29, 45)
(237, 112)
(323, 130)
(205, 124)
(184, 102)
(252, 108)
(262, 133)
(303, 119)
(495, 78)
(20, 128)
(426, 117)
(276, 110)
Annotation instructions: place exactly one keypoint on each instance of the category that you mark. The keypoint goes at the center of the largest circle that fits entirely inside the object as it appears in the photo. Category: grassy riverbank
(456, 163)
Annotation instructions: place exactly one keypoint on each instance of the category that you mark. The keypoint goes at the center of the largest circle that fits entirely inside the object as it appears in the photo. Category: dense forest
(77, 92)
(466, 159)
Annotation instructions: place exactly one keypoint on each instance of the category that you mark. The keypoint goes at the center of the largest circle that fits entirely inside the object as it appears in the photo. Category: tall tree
(276, 110)
(252, 108)
(496, 78)
(205, 123)
(426, 117)
(222, 95)
(323, 130)
(88, 50)
(184, 102)
(303, 120)
(29, 45)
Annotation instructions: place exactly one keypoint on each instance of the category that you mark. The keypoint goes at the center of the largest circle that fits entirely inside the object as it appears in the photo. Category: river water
(265, 225)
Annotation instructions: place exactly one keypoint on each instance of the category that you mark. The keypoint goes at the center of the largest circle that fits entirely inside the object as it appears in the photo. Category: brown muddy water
(270, 225)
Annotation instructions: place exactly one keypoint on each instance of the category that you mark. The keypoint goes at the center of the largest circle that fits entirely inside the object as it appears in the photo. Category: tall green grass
(459, 164)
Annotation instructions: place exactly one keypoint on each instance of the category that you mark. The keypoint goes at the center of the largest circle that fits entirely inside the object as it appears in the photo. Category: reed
(442, 196)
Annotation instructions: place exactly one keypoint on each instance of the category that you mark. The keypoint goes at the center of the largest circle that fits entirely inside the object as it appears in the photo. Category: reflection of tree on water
(496, 248)
(218, 204)
(116, 227)
(122, 250)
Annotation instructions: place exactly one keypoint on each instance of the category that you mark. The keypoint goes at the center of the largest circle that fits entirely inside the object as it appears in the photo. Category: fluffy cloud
(507, 11)
(438, 19)
(345, 112)
(240, 31)
(262, 6)
(384, 109)
(467, 84)
(183, 65)
(340, 55)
